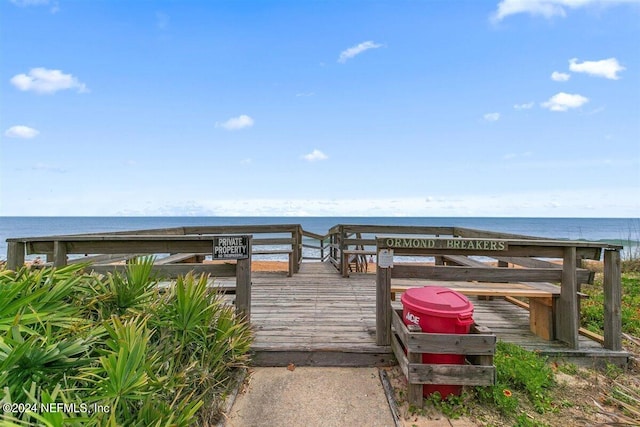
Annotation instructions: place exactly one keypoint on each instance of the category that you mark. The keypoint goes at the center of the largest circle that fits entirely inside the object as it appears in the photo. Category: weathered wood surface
(102, 259)
(612, 301)
(313, 310)
(528, 290)
(426, 343)
(319, 318)
(15, 255)
(177, 258)
(173, 270)
(567, 314)
(409, 344)
(458, 273)
(243, 286)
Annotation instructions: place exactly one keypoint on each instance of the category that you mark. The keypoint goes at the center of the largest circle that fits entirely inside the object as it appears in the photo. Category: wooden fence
(56, 248)
(554, 310)
(522, 268)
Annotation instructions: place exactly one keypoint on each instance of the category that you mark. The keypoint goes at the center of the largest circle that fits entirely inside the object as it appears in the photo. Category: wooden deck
(315, 318)
(318, 318)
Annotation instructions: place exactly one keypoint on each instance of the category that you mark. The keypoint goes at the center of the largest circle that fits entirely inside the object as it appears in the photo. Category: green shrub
(114, 342)
(592, 311)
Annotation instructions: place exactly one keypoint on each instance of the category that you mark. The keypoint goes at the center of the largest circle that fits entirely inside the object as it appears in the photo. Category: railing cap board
(112, 237)
(258, 228)
(401, 229)
(382, 242)
(192, 231)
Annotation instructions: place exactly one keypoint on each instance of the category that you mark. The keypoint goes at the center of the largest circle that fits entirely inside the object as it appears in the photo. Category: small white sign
(385, 258)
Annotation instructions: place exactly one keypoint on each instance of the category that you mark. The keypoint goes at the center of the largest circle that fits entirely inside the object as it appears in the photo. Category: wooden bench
(542, 299)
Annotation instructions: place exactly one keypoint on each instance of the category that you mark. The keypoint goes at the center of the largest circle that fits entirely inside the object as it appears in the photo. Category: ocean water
(615, 230)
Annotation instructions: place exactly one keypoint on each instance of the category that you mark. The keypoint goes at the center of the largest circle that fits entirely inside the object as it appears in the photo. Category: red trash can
(443, 311)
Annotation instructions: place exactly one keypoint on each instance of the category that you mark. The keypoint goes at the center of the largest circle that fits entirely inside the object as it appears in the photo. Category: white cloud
(491, 117)
(607, 68)
(305, 94)
(547, 8)
(564, 101)
(526, 106)
(560, 77)
(24, 132)
(55, 6)
(591, 202)
(356, 50)
(43, 80)
(237, 123)
(23, 3)
(315, 155)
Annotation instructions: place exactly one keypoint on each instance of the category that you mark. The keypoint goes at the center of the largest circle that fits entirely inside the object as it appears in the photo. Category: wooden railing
(56, 248)
(316, 242)
(345, 242)
(561, 314)
(111, 247)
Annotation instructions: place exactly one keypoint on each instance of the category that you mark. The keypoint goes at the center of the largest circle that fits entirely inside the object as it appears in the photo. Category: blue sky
(374, 108)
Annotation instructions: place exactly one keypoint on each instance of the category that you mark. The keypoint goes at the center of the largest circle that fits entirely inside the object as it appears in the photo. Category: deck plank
(317, 317)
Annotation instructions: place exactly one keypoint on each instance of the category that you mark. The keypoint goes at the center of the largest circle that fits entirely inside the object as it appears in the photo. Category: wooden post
(15, 255)
(299, 248)
(568, 317)
(612, 301)
(332, 250)
(383, 305)
(243, 286)
(343, 265)
(414, 391)
(295, 248)
(59, 253)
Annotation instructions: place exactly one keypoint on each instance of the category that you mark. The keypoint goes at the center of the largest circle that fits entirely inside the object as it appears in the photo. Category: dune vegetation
(92, 350)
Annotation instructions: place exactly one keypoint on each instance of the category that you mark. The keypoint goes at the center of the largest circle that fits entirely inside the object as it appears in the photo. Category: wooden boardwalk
(318, 318)
(315, 318)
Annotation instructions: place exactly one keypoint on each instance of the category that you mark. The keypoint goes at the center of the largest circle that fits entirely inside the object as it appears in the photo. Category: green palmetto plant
(50, 409)
(35, 300)
(131, 291)
(67, 336)
(200, 338)
(123, 379)
(186, 312)
(38, 359)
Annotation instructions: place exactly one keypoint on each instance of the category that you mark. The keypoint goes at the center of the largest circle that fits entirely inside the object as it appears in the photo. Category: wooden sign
(459, 244)
(231, 247)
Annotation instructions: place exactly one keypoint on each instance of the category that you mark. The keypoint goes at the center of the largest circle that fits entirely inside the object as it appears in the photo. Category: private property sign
(438, 243)
(231, 247)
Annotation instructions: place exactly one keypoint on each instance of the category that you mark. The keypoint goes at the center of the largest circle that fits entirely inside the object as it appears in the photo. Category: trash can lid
(437, 300)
